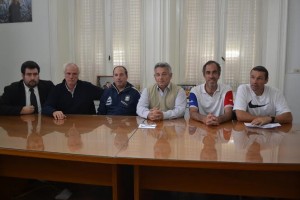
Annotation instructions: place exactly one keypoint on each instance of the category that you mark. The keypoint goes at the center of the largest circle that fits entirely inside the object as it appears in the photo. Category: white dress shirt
(36, 92)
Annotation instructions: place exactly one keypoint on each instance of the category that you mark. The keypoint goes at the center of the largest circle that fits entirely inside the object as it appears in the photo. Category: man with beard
(261, 104)
(211, 102)
(16, 99)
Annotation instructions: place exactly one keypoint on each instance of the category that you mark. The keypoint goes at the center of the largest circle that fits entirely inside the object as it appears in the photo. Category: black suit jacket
(14, 97)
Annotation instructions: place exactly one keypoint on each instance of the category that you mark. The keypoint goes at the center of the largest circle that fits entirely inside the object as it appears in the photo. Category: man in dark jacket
(16, 97)
(72, 96)
(121, 98)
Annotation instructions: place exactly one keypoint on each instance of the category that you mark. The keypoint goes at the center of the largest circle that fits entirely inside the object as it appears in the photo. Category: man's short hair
(261, 69)
(29, 65)
(126, 72)
(163, 65)
(70, 63)
(209, 63)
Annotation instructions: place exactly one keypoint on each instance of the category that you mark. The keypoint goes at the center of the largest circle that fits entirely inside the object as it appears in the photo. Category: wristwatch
(273, 119)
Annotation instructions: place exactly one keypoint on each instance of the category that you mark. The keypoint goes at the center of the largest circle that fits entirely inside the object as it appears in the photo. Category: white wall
(25, 41)
(292, 79)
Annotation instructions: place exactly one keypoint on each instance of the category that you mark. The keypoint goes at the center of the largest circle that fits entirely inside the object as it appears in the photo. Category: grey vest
(163, 103)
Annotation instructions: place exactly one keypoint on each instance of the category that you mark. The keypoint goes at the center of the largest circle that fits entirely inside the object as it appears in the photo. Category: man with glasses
(164, 99)
(28, 95)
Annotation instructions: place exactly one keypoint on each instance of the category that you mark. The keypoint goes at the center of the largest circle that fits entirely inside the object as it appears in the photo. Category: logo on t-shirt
(127, 98)
(254, 106)
(109, 101)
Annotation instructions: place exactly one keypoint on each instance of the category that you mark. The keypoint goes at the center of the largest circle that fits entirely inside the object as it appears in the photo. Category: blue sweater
(82, 101)
(114, 102)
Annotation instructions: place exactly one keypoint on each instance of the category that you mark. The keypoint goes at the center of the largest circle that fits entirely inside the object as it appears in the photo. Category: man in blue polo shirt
(121, 98)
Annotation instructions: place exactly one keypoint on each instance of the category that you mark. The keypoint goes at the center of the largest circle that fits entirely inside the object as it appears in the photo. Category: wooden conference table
(177, 155)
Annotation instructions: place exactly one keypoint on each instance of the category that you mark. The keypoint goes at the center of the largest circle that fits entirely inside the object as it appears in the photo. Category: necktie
(33, 100)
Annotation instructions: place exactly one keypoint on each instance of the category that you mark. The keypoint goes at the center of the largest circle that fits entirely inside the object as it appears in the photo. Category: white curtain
(199, 37)
(126, 37)
(94, 28)
(90, 44)
(225, 31)
(243, 41)
(105, 33)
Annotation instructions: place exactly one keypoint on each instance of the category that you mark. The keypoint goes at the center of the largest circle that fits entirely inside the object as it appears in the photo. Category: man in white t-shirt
(211, 102)
(261, 104)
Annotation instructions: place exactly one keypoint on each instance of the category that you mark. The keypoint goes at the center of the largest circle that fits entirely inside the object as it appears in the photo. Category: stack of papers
(271, 125)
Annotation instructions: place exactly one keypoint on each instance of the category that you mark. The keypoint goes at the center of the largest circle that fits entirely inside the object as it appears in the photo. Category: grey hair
(71, 64)
(163, 65)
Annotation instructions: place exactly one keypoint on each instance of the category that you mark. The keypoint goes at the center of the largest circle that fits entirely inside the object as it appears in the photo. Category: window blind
(203, 39)
(91, 34)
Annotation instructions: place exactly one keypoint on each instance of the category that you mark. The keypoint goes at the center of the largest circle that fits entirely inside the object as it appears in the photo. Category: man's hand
(155, 115)
(211, 120)
(27, 110)
(259, 121)
(59, 115)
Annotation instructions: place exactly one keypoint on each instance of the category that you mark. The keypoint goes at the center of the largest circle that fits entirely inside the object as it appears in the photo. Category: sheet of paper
(270, 125)
(147, 125)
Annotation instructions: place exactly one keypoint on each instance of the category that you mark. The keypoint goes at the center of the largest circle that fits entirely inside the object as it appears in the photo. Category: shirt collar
(168, 87)
(128, 85)
(28, 88)
(69, 89)
(202, 88)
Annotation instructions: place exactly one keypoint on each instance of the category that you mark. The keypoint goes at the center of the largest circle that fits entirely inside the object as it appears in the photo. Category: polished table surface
(85, 135)
(232, 142)
(179, 144)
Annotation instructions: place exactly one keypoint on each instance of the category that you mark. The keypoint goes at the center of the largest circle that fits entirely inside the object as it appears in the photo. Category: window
(126, 37)
(108, 34)
(99, 34)
(225, 31)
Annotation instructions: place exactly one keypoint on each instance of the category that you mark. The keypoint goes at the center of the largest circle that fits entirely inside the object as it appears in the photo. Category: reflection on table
(189, 140)
(177, 139)
(90, 135)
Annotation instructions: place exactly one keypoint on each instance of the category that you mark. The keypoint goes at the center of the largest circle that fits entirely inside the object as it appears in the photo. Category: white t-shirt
(271, 102)
(215, 104)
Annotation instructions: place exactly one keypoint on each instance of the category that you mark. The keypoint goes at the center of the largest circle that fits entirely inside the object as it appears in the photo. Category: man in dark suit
(17, 100)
